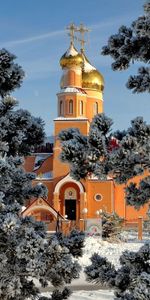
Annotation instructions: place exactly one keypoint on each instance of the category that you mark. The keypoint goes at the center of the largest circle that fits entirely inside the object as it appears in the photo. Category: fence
(63, 225)
(142, 227)
(139, 226)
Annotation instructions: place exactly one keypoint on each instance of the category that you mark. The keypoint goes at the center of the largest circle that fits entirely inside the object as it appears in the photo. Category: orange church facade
(79, 99)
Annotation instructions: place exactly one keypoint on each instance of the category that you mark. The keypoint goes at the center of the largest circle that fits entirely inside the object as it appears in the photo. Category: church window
(61, 108)
(98, 197)
(95, 108)
(71, 106)
(81, 107)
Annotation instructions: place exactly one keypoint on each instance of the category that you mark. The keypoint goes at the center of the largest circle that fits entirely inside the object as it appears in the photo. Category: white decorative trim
(66, 179)
(72, 86)
(39, 207)
(69, 92)
(71, 119)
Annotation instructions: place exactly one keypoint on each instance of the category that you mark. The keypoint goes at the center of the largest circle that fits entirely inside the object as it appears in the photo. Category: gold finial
(82, 29)
(72, 29)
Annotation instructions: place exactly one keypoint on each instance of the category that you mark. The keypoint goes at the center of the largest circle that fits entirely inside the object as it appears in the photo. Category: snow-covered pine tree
(138, 195)
(74, 241)
(131, 281)
(11, 74)
(83, 152)
(74, 148)
(122, 154)
(25, 250)
(132, 44)
(111, 226)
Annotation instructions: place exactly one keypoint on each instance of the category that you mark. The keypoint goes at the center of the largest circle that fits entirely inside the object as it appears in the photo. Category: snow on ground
(112, 251)
(95, 295)
(86, 295)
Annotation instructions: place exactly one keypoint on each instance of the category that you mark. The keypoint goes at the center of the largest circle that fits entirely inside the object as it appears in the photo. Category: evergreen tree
(111, 226)
(25, 250)
(132, 44)
(11, 74)
(131, 281)
(83, 152)
(122, 154)
(138, 195)
(74, 242)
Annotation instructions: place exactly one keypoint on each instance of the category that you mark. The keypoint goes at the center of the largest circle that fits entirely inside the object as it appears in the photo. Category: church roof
(91, 78)
(42, 201)
(70, 89)
(41, 164)
(71, 57)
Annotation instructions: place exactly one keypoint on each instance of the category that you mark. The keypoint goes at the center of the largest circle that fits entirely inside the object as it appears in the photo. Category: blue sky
(34, 30)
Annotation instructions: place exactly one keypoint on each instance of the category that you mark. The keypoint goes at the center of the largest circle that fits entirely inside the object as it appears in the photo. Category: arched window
(95, 108)
(61, 108)
(81, 107)
(71, 106)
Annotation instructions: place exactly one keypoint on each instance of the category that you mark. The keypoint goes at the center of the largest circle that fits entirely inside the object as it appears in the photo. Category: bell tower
(71, 93)
(80, 96)
(71, 104)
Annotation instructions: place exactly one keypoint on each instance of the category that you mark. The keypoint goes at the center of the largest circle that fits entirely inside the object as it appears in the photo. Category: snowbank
(111, 251)
(86, 295)
(84, 290)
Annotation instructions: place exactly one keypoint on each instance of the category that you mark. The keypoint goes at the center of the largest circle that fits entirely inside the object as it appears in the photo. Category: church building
(80, 98)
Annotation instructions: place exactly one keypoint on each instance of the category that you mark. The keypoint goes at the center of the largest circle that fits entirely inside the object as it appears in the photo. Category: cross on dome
(72, 29)
(82, 30)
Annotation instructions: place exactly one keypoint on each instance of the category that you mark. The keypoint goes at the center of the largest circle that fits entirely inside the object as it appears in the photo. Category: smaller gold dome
(91, 78)
(71, 58)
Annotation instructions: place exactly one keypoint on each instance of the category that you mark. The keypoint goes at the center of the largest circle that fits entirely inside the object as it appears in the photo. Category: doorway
(70, 209)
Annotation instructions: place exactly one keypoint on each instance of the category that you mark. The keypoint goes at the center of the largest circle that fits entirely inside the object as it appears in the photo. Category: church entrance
(69, 200)
(70, 209)
(70, 196)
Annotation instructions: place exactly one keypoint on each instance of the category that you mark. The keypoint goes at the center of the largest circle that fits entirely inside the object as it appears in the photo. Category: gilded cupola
(91, 78)
(71, 58)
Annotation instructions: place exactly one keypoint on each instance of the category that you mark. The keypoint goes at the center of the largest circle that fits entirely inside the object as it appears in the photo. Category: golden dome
(71, 58)
(91, 78)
